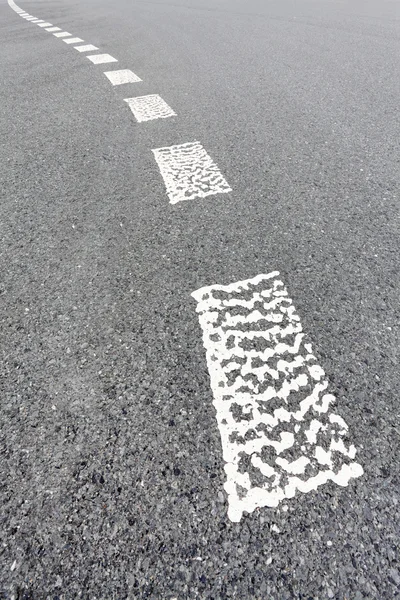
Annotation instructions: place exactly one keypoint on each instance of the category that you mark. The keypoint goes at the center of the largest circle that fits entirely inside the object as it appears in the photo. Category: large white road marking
(86, 48)
(72, 40)
(99, 59)
(147, 108)
(122, 76)
(278, 430)
(189, 172)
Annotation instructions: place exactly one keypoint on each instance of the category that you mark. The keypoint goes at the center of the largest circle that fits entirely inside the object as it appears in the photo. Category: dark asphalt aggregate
(111, 470)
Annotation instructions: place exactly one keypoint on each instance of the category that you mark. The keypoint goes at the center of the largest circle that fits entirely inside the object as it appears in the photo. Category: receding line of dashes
(278, 431)
(187, 169)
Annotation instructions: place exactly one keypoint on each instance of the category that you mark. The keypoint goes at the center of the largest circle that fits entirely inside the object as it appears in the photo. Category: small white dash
(86, 48)
(73, 40)
(30, 18)
(98, 59)
(36, 21)
(44, 24)
(51, 29)
(122, 76)
(39, 21)
(189, 172)
(62, 34)
(147, 108)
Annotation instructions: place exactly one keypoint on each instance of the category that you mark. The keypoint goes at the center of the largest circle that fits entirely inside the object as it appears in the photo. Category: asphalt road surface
(162, 445)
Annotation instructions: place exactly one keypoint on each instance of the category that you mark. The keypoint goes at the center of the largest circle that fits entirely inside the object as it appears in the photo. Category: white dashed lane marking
(62, 34)
(72, 40)
(99, 59)
(278, 430)
(51, 29)
(44, 24)
(189, 172)
(147, 108)
(86, 48)
(122, 76)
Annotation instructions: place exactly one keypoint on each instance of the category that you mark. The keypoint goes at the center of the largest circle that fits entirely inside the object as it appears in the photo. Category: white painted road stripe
(99, 59)
(62, 34)
(44, 24)
(147, 108)
(72, 40)
(30, 18)
(51, 29)
(278, 431)
(189, 172)
(87, 48)
(36, 21)
(122, 76)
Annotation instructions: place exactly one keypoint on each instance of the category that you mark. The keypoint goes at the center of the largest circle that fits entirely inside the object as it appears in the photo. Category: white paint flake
(99, 59)
(51, 29)
(72, 40)
(189, 172)
(278, 431)
(86, 48)
(62, 34)
(44, 24)
(122, 76)
(147, 108)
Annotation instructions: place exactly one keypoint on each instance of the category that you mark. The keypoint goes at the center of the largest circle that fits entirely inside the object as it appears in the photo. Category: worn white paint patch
(37, 21)
(147, 108)
(279, 433)
(72, 40)
(30, 18)
(98, 59)
(44, 24)
(122, 76)
(62, 34)
(86, 48)
(189, 172)
(51, 29)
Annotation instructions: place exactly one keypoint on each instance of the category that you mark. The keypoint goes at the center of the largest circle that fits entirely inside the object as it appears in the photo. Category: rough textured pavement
(111, 470)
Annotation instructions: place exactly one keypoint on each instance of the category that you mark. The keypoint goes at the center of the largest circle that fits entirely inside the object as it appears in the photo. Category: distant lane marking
(51, 29)
(44, 24)
(189, 172)
(147, 108)
(278, 431)
(122, 76)
(62, 34)
(86, 48)
(98, 59)
(73, 40)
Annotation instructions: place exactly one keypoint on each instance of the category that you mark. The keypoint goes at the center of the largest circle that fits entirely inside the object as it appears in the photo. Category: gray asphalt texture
(111, 471)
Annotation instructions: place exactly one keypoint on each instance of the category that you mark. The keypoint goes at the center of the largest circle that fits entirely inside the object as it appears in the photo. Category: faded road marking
(72, 40)
(44, 24)
(51, 29)
(99, 59)
(62, 34)
(189, 172)
(87, 48)
(278, 430)
(122, 76)
(147, 108)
